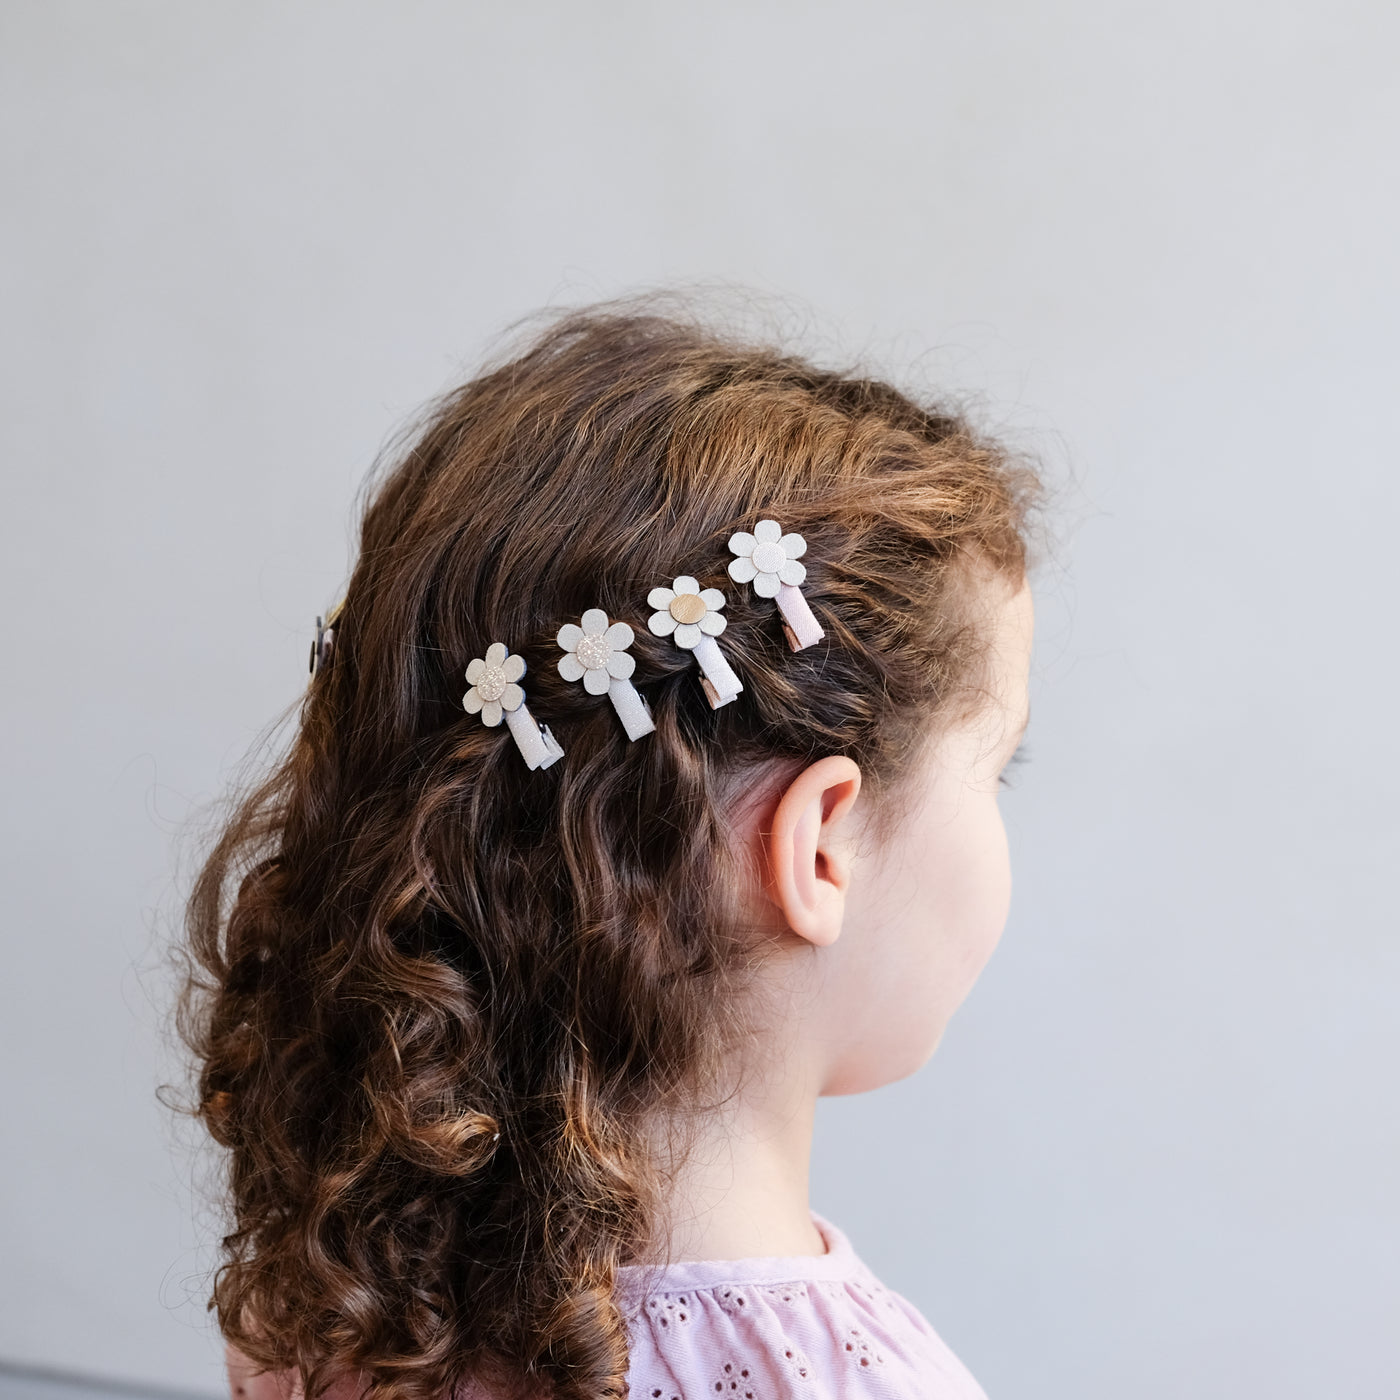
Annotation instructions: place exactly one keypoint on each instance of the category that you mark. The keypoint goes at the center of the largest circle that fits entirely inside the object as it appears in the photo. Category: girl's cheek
(969, 918)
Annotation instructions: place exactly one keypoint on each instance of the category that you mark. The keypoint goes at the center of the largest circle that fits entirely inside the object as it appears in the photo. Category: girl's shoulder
(818, 1327)
(758, 1329)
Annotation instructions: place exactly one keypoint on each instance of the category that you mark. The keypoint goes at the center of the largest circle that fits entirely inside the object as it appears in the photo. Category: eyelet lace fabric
(814, 1328)
(818, 1328)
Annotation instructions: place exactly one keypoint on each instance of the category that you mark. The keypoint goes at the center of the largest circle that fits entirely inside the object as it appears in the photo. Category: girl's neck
(742, 1188)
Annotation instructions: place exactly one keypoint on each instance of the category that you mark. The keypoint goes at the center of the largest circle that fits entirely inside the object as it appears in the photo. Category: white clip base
(538, 747)
(720, 683)
(631, 708)
(799, 624)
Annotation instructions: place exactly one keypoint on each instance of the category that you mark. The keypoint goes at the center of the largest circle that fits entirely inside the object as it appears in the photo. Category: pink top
(821, 1327)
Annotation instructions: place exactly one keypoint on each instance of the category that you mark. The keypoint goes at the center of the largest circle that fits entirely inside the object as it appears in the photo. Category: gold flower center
(688, 607)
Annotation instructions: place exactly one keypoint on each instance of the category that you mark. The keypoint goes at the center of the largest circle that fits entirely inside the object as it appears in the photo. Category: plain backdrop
(1155, 245)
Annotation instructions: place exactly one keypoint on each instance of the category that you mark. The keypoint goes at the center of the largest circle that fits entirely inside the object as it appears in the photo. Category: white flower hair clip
(597, 655)
(771, 561)
(496, 694)
(324, 643)
(691, 617)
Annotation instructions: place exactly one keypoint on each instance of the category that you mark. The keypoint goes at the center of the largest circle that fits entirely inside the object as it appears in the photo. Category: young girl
(644, 791)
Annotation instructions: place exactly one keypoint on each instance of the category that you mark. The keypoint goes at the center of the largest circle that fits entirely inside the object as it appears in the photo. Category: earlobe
(808, 849)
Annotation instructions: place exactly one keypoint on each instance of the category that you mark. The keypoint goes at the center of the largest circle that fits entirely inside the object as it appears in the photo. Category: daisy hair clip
(691, 617)
(772, 562)
(495, 694)
(596, 654)
(324, 642)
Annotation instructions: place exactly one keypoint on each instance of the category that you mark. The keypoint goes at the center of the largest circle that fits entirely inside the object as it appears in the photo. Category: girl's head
(445, 999)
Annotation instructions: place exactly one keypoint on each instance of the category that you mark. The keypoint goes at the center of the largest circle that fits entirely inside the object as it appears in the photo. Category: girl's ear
(807, 849)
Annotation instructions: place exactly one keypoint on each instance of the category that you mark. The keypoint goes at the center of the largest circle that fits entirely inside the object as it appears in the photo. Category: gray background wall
(1156, 1153)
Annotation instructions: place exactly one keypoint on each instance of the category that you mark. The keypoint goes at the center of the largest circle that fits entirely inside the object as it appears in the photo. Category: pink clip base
(802, 627)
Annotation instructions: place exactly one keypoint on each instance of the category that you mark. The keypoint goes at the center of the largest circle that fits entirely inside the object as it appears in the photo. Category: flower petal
(595, 622)
(476, 668)
(793, 572)
(662, 623)
(712, 599)
(491, 713)
(686, 584)
(794, 546)
(620, 636)
(741, 543)
(688, 635)
(742, 570)
(768, 532)
(596, 682)
(621, 664)
(569, 635)
(570, 667)
(661, 598)
(513, 670)
(495, 655)
(713, 623)
(512, 697)
(471, 701)
(766, 585)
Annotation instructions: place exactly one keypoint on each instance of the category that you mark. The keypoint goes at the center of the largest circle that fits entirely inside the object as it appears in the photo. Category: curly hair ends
(440, 997)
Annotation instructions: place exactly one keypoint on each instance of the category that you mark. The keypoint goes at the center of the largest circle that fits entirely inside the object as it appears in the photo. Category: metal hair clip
(495, 694)
(325, 638)
(769, 560)
(691, 617)
(597, 655)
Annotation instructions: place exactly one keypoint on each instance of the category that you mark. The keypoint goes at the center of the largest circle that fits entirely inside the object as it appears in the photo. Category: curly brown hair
(437, 997)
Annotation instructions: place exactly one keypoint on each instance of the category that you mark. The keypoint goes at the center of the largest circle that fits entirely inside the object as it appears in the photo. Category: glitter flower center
(688, 607)
(592, 652)
(492, 684)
